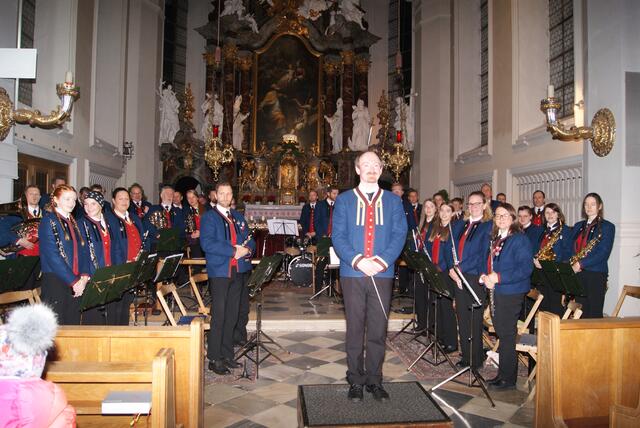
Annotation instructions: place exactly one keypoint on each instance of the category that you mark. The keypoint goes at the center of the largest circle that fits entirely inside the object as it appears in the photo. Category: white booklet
(127, 403)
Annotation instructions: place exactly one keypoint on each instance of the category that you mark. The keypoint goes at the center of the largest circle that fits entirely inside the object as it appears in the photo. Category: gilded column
(362, 78)
(347, 97)
(244, 63)
(229, 54)
(331, 68)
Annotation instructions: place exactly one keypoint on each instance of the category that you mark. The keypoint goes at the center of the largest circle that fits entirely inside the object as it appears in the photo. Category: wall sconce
(127, 150)
(601, 133)
(67, 92)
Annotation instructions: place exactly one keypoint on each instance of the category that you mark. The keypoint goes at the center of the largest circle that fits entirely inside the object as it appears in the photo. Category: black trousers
(447, 322)
(33, 281)
(552, 301)
(595, 287)
(59, 296)
(465, 324)
(505, 322)
(119, 314)
(405, 283)
(366, 327)
(225, 303)
(240, 330)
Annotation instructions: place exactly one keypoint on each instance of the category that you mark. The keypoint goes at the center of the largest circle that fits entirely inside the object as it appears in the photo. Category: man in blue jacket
(368, 234)
(228, 245)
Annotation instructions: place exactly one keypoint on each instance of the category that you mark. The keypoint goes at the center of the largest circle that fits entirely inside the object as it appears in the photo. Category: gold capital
(229, 52)
(362, 65)
(347, 57)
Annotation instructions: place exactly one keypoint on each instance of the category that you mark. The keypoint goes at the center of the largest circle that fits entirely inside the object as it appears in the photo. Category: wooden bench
(131, 344)
(87, 383)
(587, 372)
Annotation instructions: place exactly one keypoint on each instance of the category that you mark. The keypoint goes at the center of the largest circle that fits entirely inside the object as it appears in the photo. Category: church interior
(518, 112)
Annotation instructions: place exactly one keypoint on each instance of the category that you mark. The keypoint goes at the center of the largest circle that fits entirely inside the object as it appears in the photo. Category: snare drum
(301, 271)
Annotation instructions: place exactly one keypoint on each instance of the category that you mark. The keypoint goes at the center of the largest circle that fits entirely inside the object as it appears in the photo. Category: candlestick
(68, 77)
(550, 91)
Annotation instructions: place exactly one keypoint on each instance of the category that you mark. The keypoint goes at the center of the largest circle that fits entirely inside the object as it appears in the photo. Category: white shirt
(224, 211)
(33, 208)
(63, 214)
(368, 189)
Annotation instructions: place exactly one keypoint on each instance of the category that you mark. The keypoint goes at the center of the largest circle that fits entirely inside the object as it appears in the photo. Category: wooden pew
(87, 383)
(585, 367)
(130, 344)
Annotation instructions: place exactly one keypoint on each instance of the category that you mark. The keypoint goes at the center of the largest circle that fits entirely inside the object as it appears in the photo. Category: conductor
(369, 231)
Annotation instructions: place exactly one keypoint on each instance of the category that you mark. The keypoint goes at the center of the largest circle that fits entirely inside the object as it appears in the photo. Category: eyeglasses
(474, 204)
(502, 216)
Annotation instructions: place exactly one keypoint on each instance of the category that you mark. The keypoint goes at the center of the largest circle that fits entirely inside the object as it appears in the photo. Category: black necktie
(35, 213)
(370, 196)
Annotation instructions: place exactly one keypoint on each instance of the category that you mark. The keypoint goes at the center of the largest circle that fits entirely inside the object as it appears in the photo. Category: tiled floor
(319, 358)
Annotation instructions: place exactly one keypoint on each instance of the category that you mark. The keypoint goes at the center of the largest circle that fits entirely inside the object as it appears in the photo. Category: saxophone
(546, 253)
(587, 248)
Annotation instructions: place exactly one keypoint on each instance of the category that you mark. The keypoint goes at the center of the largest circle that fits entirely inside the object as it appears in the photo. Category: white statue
(361, 127)
(169, 106)
(236, 6)
(335, 122)
(218, 114)
(238, 125)
(207, 111)
(405, 113)
(312, 9)
(351, 11)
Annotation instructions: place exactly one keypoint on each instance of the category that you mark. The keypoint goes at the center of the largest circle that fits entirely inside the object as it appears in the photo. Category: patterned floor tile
(215, 417)
(276, 417)
(221, 393)
(301, 348)
(280, 392)
(280, 372)
(332, 370)
(323, 342)
(479, 406)
(247, 404)
(246, 423)
(308, 378)
(293, 403)
(305, 362)
(330, 355)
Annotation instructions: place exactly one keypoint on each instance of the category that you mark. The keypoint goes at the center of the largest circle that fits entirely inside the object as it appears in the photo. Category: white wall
(377, 15)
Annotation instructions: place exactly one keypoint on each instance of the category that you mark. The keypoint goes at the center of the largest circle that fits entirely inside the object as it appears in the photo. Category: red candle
(399, 136)
(216, 131)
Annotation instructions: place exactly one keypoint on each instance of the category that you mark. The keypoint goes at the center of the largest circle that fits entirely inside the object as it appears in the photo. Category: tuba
(25, 229)
(546, 253)
(11, 208)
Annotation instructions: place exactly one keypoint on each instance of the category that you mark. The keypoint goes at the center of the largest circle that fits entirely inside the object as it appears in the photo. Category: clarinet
(56, 235)
(456, 262)
(144, 241)
(92, 249)
(492, 305)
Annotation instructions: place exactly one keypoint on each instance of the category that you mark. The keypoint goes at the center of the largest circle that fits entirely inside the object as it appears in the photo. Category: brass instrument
(190, 223)
(159, 220)
(10, 208)
(586, 250)
(27, 229)
(546, 253)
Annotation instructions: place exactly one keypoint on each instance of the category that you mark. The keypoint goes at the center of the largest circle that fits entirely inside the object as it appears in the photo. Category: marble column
(331, 68)
(362, 80)
(347, 97)
(244, 63)
(229, 54)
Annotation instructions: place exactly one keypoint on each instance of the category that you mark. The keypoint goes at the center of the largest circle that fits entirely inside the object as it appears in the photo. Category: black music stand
(474, 376)
(561, 278)
(106, 285)
(169, 241)
(414, 259)
(15, 273)
(145, 273)
(261, 275)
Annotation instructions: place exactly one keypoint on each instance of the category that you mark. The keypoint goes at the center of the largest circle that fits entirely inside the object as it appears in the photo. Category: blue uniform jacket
(91, 233)
(177, 222)
(215, 240)
(119, 236)
(596, 260)
(132, 207)
(533, 232)
(473, 259)
(305, 218)
(322, 218)
(445, 248)
(51, 261)
(562, 247)
(513, 265)
(408, 211)
(348, 237)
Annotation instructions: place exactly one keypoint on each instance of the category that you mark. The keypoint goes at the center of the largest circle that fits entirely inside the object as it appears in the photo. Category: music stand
(561, 278)
(168, 267)
(412, 259)
(145, 273)
(108, 284)
(16, 272)
(323, 252)
(474, 376)
(261, 275)
(169, 241)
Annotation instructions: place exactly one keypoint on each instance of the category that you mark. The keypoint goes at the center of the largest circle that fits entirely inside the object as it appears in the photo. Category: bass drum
(301, 271)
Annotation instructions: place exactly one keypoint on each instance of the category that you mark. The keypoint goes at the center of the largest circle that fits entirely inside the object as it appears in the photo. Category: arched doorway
(186, 183)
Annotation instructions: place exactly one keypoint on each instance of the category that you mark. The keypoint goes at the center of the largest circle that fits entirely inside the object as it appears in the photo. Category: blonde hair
(487, 214)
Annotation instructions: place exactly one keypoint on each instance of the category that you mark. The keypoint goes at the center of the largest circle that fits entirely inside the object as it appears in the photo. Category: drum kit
(298, 261)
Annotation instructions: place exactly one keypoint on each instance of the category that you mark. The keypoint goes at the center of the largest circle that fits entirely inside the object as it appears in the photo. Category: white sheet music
(281, 226)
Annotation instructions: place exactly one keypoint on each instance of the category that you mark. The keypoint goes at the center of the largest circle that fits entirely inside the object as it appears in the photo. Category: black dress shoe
(355, 393)
(494, 380)
(462, 364)
(231, 363)
(502, 385)
(378, 392)
(218, 367)
(448, 349)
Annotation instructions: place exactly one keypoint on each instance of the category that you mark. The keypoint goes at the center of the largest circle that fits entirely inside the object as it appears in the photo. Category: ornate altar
(281, 65)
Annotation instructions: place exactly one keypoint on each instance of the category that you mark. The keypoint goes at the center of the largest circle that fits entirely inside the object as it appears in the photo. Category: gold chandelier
(216, 153)
(397, 159)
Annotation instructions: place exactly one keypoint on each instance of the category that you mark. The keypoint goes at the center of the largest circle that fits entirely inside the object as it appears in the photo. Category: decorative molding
(103, 147)
(478, 154)
(97, 168)
(539, 135)
(43, 152)
(562, 163)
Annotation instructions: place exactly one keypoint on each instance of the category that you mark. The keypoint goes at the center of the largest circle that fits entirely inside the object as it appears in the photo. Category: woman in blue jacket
(557, 236)
(592, 240)
(508, 272)
(63, 257)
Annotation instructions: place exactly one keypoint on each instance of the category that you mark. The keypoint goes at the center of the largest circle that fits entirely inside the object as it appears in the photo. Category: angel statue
(404, 121)
(361, 127)
(169, 122)
(352, 11)
(236, 7)
(238, 125)
(335, 122)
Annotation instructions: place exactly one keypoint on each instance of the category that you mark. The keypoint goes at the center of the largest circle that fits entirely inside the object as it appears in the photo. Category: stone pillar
(347, 97)
(331, 68)
(362, 79)
(244, 63)
(229, 54)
